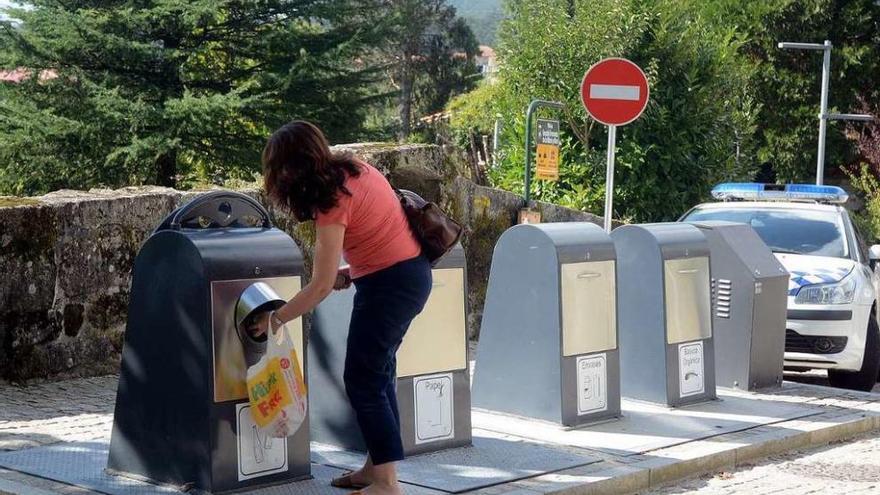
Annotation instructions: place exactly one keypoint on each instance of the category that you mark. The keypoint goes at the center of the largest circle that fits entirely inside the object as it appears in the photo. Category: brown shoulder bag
(435, 231)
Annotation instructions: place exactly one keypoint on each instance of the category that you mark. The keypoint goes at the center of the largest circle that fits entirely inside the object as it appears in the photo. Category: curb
(707, 456)
(741, 456)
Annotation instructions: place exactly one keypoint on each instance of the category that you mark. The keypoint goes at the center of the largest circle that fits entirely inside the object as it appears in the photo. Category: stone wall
(66, 257)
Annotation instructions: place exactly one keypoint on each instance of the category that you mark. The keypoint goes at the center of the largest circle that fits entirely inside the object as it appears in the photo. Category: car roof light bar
(776, 192)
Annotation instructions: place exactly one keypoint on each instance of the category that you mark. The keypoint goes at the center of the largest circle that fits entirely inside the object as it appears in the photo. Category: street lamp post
(824, 116)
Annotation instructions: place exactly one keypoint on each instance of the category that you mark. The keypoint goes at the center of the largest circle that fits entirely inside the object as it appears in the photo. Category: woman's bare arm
(328, 252)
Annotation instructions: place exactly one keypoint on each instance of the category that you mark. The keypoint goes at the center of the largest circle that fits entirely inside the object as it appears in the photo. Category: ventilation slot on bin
(721, 294)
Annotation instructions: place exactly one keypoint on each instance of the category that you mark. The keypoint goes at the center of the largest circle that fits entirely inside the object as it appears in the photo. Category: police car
(832, 297)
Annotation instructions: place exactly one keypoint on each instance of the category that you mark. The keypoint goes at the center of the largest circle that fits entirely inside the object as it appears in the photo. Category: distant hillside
(482, 16)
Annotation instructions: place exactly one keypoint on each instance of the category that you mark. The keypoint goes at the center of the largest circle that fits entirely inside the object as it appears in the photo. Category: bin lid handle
(221, 208)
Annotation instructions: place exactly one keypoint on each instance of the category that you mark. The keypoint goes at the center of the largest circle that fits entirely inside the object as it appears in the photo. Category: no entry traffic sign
(615, 91)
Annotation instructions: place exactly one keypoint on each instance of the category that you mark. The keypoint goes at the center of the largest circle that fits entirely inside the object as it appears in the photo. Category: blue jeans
(385, 303)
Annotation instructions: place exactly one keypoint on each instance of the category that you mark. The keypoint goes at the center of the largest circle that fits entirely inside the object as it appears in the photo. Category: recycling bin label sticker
(592, 377)
(690, 369)
(258, 454)
(434, 408)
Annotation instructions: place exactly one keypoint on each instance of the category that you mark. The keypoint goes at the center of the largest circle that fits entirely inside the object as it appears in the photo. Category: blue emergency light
(777, 192)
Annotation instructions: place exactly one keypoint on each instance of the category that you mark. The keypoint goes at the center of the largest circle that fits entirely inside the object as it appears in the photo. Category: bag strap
(410, 196)
(274, 333)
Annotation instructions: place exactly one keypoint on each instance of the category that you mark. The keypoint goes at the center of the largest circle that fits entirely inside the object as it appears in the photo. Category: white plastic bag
(276, 389)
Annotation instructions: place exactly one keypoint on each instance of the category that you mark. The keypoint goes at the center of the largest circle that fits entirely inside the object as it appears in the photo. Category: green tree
(448, 68)
(430, 58)
(697, 127)
(137, 91)
(787, 83)
(864, 177)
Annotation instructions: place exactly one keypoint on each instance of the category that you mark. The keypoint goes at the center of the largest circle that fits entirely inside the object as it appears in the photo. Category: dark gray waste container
(433, 386)
(665, 323)
(750, 297)
(182, 415)
(548, 342)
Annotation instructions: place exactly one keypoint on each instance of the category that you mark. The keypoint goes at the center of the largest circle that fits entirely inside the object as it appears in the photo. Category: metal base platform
(82, 464)
(645, 427)
(493, 459)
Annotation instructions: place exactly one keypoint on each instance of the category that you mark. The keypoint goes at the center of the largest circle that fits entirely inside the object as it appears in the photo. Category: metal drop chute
(259, 298)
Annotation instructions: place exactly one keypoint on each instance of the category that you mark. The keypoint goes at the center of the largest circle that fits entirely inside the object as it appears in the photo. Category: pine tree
(138, 91)
(422, 57)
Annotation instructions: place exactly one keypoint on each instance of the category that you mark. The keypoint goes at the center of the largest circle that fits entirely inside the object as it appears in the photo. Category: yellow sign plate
(547, 162)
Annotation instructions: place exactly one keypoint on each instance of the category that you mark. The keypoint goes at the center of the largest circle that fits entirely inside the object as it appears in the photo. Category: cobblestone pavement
(69, 411)
(852, 467)
(844, 468)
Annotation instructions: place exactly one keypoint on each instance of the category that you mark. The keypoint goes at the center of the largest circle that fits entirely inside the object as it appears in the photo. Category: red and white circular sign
(615, 91)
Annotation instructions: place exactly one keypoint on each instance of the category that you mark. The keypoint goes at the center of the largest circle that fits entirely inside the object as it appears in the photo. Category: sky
(3, 5)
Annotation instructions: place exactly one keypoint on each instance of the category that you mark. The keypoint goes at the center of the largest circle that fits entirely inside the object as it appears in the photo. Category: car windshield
(798, 231)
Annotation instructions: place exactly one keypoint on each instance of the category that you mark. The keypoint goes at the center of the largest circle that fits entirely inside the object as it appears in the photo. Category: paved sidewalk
(82, 409)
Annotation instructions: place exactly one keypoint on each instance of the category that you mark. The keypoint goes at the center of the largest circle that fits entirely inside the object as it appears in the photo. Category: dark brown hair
(301, 174)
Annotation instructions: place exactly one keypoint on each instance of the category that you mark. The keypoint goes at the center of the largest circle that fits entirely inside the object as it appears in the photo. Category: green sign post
(528, 172)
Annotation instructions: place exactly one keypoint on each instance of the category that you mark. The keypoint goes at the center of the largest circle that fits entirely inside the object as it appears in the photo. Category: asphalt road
(816, 378)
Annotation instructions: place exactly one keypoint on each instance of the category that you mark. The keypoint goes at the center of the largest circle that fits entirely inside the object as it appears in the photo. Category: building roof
(14, 76)
(18, 75)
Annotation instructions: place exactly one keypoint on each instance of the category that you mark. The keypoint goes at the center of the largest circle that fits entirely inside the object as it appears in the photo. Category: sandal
(346, 481)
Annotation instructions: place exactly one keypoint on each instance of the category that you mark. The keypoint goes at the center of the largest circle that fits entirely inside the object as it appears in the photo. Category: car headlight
(841, 292)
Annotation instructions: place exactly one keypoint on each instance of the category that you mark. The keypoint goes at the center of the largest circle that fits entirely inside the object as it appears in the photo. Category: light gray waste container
(750, 297)
(663, 292)
(433, 386)
(548, 340)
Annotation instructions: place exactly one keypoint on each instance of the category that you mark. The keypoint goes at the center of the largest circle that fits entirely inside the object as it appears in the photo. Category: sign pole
(609, 176)
(533, 106)
(614, 92)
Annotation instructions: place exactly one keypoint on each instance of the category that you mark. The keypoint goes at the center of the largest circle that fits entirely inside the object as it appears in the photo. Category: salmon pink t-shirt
(377, 234)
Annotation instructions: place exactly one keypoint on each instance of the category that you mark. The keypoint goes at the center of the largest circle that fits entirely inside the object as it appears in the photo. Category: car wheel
(866, 377)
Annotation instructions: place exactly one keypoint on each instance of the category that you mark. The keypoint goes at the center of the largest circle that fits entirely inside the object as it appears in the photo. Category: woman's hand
(343, 279)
